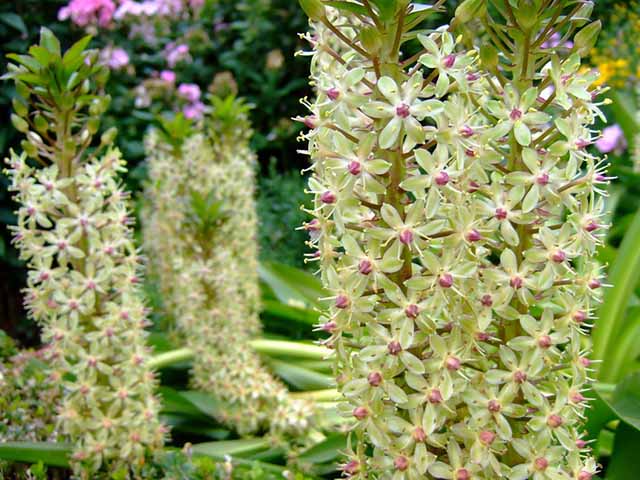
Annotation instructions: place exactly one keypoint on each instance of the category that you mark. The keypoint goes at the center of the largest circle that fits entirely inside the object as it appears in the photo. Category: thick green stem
(327, 395)
(275, 348)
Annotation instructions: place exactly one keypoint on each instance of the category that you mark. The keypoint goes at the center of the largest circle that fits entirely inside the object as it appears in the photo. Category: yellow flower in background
(617, 59)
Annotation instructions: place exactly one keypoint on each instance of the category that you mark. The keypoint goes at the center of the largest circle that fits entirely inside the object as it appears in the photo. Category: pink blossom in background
(189, 91)
(196, 4)
(612, 140)
(115, 58)
(136, 9)
(85, 12)
(554, 42)
(145, 31)
(194, 111)
(149, 8)
(176, 53)
(168, 76)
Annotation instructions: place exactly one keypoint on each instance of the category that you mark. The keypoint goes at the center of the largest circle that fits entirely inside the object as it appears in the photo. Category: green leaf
(290, 285)
(626, 400)
(348, 7)
(74, 57)
(15, 21)
(623, 108)
(386, 9)
(42, 55)
(231, 447)
(301, 378)
(290, 313)
(325, 451)
(54, 454)
(598, 415)
(204, 402)
(419, 13)
(49, 41)
(623, 275)
(625, 461)
(212, 452)
(26, 60)
(174, 402)
(188, 426)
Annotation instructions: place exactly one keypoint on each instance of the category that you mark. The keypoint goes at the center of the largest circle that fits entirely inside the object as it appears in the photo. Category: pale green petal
(389, 88)
(522, 133)
(390, 134)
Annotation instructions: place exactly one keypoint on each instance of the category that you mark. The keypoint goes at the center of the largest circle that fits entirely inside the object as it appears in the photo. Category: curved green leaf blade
(244, 446)
(53, 454)
(301, 378)
(325, 451)
(624, 275)
(625, 461)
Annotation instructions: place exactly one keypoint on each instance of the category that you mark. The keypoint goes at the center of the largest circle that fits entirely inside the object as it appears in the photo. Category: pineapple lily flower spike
(457, 213)
(74, 232)
(200, 230)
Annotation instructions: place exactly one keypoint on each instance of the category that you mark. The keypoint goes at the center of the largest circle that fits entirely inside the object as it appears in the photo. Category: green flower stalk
(201, 236)
(457, 213)
(74, 231)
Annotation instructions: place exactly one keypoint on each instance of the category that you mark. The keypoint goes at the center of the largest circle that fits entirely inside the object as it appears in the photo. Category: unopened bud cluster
(74, 232)
(201, 234)
(457, 213)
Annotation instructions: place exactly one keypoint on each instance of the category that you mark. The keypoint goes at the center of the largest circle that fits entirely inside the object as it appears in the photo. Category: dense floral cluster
(74, 231)
(457, 213)
(201, 236)
(29, 395)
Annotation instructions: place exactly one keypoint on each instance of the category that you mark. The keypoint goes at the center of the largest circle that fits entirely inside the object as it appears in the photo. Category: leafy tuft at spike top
(200, 230)
(461, 251)
(74, 231)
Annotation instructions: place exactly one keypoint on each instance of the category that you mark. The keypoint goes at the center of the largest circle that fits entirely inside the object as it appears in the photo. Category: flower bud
(585, 39)
(469, 10)
(313, 8)
(19, 124)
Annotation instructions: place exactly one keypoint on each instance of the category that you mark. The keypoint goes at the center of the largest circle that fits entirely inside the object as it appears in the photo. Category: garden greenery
(457, 214)
(74, 231)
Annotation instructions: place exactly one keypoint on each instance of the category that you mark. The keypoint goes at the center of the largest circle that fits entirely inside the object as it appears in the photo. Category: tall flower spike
(201, 234)
(74, 231)
(461, 253)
